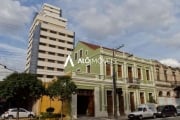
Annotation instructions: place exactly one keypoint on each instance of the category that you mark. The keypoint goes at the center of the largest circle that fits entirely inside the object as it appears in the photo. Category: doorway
(85, 103)
(132, 104)
(121, 104)
(109, 103)
(142, 97)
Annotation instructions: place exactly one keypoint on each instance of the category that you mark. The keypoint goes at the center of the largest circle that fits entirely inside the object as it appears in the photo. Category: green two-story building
(92, 71)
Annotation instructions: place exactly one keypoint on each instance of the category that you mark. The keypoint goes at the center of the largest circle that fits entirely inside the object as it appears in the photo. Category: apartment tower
(50, 42)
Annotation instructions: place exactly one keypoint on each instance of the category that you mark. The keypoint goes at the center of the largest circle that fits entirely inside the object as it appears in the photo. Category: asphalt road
(125, 118)
(167, 118)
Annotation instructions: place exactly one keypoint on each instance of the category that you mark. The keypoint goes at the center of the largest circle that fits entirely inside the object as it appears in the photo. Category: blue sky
(148, 28)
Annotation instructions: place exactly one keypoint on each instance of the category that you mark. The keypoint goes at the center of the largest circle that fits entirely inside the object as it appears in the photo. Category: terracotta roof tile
(92, 46)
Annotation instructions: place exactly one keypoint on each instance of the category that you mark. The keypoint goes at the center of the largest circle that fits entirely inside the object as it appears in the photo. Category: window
(49, 76)
(165, 75)
(61, 62)
(43, 44)
(168, 94)
(160, 94)
(70, 36)
(62, 34)
(51, 53)
(61, 48)
(139, 73)
(88, 68)
(51, 31)
(150, 96)
(174, 76)
(41, 59)
(69, 49)
(50, 68)
(53, 46)
(40, 67)
(119, 71)
(86, 52)
(130, 76)
(52, 61)
(157, 73)
(147, 75)
(80, 53)
(61, 70)
(54, 39)
(42, 51)
(75, 56)
(43, 29)
(69, 43)
(108, 69)
(59, 54)
(61, 41)
(42, 36)
(78, 70)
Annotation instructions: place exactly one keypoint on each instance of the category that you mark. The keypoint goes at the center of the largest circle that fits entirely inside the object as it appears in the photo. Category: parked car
(166, 110)
(178, 109)
(143, 111)
(12, 113)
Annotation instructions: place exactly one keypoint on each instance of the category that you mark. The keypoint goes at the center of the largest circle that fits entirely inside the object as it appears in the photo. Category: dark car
(166, 110)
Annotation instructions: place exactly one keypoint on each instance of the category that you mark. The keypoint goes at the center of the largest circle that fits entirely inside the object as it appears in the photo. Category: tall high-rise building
(50, 42)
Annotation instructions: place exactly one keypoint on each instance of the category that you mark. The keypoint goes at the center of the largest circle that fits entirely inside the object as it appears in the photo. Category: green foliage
(63, 87)
(50, 109)
(19, 87)
(50, 115)
(152, 100)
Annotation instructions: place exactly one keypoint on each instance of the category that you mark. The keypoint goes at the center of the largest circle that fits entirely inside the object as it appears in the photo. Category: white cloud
(14, 18)
(102, 19)
(171, 62)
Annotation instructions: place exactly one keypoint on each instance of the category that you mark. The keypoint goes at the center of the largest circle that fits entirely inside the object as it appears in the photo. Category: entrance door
(85, 103)
(121, 104)
(109, 103)
(142, 97)
(132, 101)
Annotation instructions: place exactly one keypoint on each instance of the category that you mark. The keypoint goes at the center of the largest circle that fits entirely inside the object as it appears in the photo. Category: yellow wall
(46, 102)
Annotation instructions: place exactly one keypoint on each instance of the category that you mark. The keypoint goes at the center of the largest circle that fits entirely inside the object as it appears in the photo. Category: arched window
(160, 93)
(168, 94)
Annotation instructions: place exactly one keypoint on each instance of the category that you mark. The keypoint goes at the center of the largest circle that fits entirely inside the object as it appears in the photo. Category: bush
(50, 109)
(51, 115)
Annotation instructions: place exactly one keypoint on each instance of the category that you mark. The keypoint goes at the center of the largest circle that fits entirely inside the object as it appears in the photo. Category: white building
(49, 43)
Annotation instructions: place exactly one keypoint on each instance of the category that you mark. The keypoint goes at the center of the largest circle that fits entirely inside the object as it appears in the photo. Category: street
(167, 118)
(125, 118)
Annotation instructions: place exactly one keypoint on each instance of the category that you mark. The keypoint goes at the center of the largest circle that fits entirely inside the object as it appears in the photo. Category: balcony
(84, 75)
(133, 83)
(162, 83)
(175, 84)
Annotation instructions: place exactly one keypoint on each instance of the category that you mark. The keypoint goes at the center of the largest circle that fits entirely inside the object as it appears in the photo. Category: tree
(62, 88)
(21, 89)
(151, 99)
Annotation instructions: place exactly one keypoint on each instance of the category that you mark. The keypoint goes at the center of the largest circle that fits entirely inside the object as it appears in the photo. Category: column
(98, 112)
(74, 106)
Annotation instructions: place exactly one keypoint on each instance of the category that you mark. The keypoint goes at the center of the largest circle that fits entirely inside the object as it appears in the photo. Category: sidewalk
(102, 118)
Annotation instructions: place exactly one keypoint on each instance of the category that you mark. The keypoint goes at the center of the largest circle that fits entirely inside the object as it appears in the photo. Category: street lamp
(114, 83)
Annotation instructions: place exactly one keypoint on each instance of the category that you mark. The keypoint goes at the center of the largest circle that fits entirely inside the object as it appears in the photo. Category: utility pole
(114, 84)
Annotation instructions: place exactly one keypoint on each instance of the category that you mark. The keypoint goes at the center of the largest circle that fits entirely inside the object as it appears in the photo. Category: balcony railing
(163, 83)
(175, 83)
(133, 81)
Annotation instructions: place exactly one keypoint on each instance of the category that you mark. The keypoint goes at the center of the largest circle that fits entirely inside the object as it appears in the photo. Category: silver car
(178, 109)
(12, 113)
